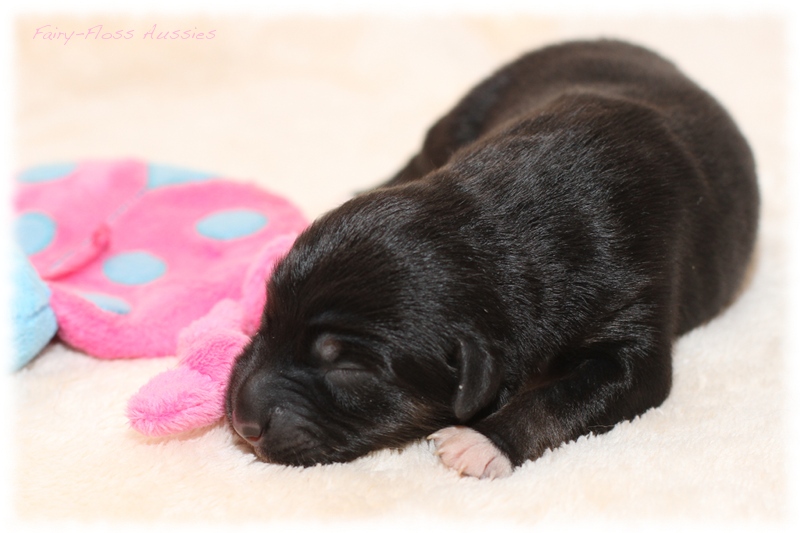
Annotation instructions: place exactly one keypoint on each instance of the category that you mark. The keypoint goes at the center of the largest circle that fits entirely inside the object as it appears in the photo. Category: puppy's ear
(479, 376)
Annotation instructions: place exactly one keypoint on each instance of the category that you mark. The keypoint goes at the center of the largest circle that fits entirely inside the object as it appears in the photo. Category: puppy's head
(365, 341)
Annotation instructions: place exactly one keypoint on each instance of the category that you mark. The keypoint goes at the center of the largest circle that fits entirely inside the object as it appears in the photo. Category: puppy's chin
(263, 455)
(305, 454)
(291, 457)
(309, 444)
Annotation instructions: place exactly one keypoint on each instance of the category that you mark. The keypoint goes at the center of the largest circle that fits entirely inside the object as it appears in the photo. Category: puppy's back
(713, 177)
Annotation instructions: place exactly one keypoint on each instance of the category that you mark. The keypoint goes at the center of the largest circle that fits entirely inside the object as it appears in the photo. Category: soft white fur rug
(315, 109)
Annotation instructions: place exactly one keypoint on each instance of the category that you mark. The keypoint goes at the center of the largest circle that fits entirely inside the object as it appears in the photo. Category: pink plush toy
(192, 395)
(147, 260)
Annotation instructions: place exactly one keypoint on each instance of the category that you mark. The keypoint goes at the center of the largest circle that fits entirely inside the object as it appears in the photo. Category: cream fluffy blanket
(316, 109)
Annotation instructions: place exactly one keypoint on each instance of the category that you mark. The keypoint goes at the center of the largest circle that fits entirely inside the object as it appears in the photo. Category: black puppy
(519, 283)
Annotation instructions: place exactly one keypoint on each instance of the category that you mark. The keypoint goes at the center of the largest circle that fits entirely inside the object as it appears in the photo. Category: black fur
(525, 274)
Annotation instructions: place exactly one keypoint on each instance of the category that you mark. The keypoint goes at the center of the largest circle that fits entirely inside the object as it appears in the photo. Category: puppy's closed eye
(339, 369)
(327, 348)
(347, 374)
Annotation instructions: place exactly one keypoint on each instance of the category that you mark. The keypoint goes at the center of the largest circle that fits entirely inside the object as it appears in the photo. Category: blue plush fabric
(33, 321)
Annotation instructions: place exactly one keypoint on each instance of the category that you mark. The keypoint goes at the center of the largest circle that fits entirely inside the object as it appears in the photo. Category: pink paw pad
(470, 453)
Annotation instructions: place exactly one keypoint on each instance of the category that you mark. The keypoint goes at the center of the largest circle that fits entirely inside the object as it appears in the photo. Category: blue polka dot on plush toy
(46, 173)
(34, 232)
(231, 224)
(134, 268)
(109, 303)
(163, 175)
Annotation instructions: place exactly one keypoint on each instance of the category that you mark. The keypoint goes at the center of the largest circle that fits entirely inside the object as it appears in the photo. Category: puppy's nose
(250, 416)
(248, 430)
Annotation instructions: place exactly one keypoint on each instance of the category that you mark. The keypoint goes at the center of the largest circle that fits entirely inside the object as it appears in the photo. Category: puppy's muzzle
(267, 414)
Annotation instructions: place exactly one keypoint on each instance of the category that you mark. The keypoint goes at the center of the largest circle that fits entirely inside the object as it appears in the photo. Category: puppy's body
(524, 275)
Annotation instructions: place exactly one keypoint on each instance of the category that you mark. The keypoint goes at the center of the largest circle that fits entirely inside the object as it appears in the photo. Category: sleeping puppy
(519, 283)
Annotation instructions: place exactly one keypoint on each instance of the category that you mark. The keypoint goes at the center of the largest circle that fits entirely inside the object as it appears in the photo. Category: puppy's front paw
(470, 453)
